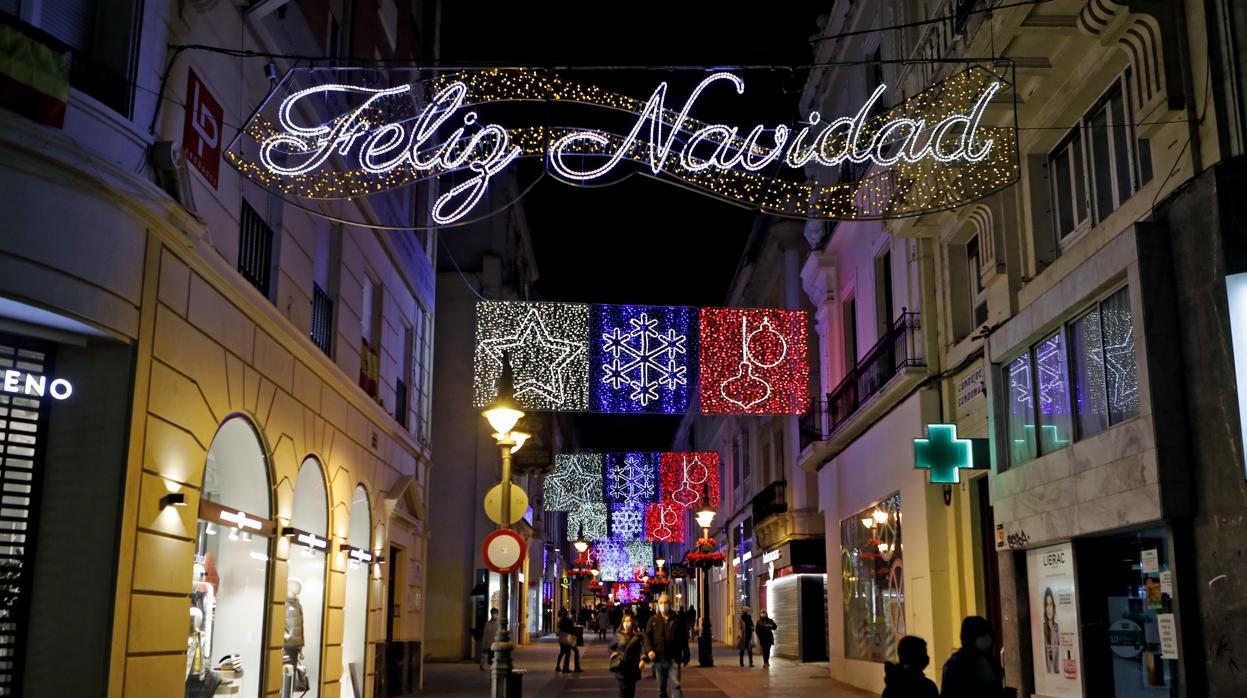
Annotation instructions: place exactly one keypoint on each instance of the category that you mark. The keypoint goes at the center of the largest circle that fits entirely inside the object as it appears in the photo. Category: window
(873, 589)
(974, 273)
(370, 345)
(322, 320)
(255, 249)
(883, 292)
(1100, 164)
(848, 316)
(422, 375)
(743, 441)
(402, 399)
(1085, 379)
(103, 39)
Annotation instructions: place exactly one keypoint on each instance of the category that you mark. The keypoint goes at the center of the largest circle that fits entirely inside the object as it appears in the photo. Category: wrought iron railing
(900, 348)
(812, 426)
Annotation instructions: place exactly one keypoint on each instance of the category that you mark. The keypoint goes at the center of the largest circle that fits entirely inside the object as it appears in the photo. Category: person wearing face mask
(766, 637)
(905, 679)
(666, 645)
(626, 657)
(973, 671)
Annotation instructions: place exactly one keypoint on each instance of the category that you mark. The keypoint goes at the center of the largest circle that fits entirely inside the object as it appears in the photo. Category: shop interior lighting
(881, 516)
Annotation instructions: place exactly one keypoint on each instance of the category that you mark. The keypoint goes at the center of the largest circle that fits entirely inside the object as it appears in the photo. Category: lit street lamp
(705, 644)
(503, 414)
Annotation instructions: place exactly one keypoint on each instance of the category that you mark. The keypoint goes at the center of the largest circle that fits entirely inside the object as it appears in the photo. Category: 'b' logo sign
(201, 133)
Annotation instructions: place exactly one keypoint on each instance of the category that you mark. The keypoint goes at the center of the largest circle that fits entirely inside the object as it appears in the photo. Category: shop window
(229, 586)
(305, 585)
(355, 609)
(873, 581)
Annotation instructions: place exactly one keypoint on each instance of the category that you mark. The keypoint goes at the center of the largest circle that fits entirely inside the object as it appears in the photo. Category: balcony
(770, 501)
(889, 372)
(812, 426)
(899, 349)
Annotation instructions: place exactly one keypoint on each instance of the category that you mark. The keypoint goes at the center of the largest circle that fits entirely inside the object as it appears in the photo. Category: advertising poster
(1054, 621)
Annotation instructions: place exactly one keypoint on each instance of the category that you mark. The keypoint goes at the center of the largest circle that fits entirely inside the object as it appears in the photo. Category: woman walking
(744, 635)
(567, 643)
(766, 637)
(626, 659)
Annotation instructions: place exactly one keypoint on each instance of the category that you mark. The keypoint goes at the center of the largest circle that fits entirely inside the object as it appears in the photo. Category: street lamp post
(705, 643)
(503, 414)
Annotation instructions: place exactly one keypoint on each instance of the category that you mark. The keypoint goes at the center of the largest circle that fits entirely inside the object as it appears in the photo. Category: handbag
(300, 683)
(616, 662)
(567, 639)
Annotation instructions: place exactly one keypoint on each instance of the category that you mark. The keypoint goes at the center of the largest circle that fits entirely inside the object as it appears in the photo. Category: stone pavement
(725, 680)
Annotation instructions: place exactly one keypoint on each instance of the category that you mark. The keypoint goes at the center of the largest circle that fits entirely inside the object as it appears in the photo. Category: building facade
(1053, 317)
(227, 486)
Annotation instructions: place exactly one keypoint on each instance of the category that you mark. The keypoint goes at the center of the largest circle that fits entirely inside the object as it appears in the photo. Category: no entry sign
(503, 551)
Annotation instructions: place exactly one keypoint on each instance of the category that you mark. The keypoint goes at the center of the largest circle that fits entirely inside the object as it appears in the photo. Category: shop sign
(333, 135)
(360, 555)
(1054, 621)
(201, 131)
(35, 385)
(1011, 537)
(971, 393)
(769, 557)
(944, 455)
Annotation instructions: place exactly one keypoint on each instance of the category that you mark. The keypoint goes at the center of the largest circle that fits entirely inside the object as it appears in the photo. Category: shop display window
(305, 585)
(355, 612)
(225, 643)
(873, 581)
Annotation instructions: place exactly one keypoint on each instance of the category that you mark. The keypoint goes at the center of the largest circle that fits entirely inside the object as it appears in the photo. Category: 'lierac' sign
(352, 134)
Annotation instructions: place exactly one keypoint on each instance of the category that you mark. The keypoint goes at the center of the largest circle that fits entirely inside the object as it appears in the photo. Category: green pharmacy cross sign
(945, 455)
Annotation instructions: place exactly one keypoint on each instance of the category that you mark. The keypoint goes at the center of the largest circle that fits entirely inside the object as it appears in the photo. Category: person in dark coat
(744, 635)
(973, 671)
(666, 645)
(905, 679)
(766, 636)
(567, 626)
(630, 644)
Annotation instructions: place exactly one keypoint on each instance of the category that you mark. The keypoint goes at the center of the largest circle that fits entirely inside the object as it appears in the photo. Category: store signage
(770, 557)
(1054, 621)
(944, 455)
(971, 392)
(201, 130)
(36, 385)
(336, 135)
(241, 520)
(306, 539)
(359, 555)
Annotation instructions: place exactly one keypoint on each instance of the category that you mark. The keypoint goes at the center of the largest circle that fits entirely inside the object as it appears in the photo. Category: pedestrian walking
(666, 645)
(744, 635)
(604, 621)
(487, 639)
(693, 624)
(766, 637)
(973, 671)
(905, 679)
(627, 655)
(567, 644)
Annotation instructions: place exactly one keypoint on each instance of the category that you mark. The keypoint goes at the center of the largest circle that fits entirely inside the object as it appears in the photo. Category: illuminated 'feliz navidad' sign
(342, 139)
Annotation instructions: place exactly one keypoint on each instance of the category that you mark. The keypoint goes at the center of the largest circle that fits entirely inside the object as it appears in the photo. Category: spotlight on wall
(173, 499)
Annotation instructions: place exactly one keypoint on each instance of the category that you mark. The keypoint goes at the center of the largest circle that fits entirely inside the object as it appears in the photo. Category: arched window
(230, 580)
(355, 612)
(305, 586)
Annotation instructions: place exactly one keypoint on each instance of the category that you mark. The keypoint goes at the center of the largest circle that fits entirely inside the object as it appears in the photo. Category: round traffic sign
(493, 504)
(503, 551)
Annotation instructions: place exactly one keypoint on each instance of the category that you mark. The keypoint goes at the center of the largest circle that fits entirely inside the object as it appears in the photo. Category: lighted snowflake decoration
(588, 521)
(632, 477)
(627, 521)
(576, 480)
(642, 358)
(614, 564)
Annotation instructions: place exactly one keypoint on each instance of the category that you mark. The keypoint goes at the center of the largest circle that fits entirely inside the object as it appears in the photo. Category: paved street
(726, 679)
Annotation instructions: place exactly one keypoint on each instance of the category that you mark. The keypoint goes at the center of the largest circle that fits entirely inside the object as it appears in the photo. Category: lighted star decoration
(631, 477)
(1120, 364)
(587, 521)
(546, 345)
(641, 555)
(576, 480)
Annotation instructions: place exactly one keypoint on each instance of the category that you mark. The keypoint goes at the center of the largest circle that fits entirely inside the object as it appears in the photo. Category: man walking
(666, 645)
(487, 639)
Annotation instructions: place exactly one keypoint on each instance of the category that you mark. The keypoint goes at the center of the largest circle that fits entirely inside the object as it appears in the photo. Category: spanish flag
(34, 73)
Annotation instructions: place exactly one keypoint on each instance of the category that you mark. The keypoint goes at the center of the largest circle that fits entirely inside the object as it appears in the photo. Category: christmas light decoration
(753, 361)
(641, 358)
(588, 519)
(641, 555)
(664, 522)
(613, 560)
(576, 480)
(627, 521)
(628, 592)
(930, 152)
(632, 478)
(688, 477)
(546, 345)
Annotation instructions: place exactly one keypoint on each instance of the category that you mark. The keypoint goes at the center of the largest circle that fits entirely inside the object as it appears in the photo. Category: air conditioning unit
(170, 166)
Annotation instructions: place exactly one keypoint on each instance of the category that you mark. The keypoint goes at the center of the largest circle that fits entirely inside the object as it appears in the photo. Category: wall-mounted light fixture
(173, 499)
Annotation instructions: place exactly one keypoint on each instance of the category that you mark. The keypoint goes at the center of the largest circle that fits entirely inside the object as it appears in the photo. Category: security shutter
(23, 422)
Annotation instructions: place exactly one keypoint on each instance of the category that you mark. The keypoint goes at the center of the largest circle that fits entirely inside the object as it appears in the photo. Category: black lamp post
(705, 643)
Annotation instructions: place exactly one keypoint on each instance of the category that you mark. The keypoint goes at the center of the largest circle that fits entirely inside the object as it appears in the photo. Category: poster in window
(1054, 625)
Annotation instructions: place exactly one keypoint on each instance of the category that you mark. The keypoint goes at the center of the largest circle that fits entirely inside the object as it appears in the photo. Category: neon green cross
(945, 455)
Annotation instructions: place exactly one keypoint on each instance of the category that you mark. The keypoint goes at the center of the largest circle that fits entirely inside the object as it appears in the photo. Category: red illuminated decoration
(753, 361)
(687, 476)
(664, 522)
(705, 555)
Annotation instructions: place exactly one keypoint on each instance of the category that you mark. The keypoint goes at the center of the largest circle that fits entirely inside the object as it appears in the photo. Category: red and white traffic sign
(503, 551)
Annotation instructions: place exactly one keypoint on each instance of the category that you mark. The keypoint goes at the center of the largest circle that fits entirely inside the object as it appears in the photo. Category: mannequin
(293, 636)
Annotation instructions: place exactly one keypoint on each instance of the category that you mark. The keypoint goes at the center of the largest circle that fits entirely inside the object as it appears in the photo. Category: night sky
(639, 240)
